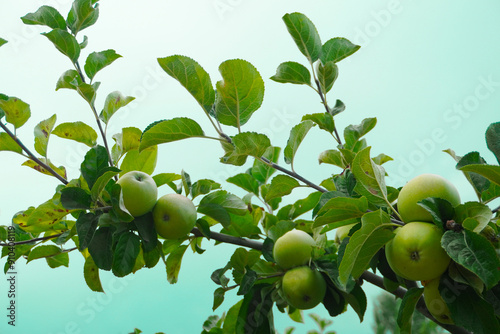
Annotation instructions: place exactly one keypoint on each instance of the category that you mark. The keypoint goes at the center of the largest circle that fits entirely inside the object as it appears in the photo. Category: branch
(323, 100)
(31, 156)
(23, 242)
(230, 239)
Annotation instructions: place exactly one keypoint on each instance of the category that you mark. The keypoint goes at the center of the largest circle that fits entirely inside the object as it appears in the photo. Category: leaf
(65, 43)
(339, 210)
(247, 144)
(297, 135)
(82, 15)
(370, 178)
(327, 75)
(239, 94)
(336, 49)
(192, 77)
(255, 314)
(203, 186)
(304, 34)
(46, 216)
(357, 299)
(91, 275)
(261, 171)
(480, 183)
(174, 263)
(323, 120)
(492, 173)
(32, 164)
(96, 61)
(493, 139)
(125, 254)
(228, 201)
(69, 80)
(2, 41)
(405, 314)
(374, 233)
(353, 133)
(86, 226)
(107, 174)
(474, 216)
(77, 131)
(166, 178)
(47, 16)
(247, 282)
(75, 198)
(475, 253)
(144, 161)
(114, 101)
(95, 161)
(169, 131)
(332, 157)
(218, 298)
(9, 144)
(281, 185)
(337, 108)
(16, 111)
(42, 132)
(129, 139)
(43, 251)
(441, 210)
(88, 92)
(58, 260)
(246, 182)
(292, 72)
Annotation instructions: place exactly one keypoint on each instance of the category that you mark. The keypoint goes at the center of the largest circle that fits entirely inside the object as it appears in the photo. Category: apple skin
(419, 188)
(415, 253)
(174, 216)
(342, 232)
(435, 303)
(139, 192)
(292, 249)
(303, 287)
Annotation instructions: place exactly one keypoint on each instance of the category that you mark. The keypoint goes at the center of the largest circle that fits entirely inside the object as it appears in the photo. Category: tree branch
(230, 239)
(323, 100)
(23, 242)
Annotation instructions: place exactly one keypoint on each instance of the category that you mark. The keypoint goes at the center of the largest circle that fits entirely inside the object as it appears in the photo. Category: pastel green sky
(428, 71)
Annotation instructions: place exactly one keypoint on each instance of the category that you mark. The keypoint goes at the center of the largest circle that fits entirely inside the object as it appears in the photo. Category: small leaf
(336, 49)
(192, 76)
(297, 135)
(2, 41)
(42, 132)
(327, 75)
(473, 216)
(338, 108)
(95, 161)
(69, 80)
(16, 111)
(218, 298)
(75, 198)
(261, 171)
(77, 131)
(58, 260)
(170, 130)
(43, 251)
(47, 16)
(96, 61)
(65, 43)
(82, 15)
(125, 254)
(323, 120)
(332, 157)
(441, 210)
(174, 263)
(9, 144)
(88, 92)
(166, 178)
(304, 34)
(246, 182)
(86, 226)
(405, 314)
(107, 174)
(32, 164)
(114, 101)
(281, 185)
(339, 210)
(493, 139)
(247, 282)
(353, 133)
(247, 144)
(239, 94)
(91, 275)
(292, 72)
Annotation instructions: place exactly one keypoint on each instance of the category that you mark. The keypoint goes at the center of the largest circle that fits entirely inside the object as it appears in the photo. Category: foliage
(86, 213)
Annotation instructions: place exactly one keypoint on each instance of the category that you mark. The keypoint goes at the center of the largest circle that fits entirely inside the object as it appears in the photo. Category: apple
(342, 232)
(292, 249)
(420, 187)
(139, 192)
(303, 287)
(435, 303)
(174, 216)
(415, 253)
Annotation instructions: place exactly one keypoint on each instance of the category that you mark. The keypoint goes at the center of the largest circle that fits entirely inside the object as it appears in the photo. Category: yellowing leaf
(77, 131)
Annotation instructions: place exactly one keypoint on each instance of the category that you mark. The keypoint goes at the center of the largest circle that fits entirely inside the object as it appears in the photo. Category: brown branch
(230, 239)
(23, 242)
(323, 100)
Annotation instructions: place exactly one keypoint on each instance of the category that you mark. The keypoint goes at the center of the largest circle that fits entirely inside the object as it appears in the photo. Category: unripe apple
(174, 216)
(292, 249)
(435, 303)
(303, 287)
(415, 253)
(419, 188)
(139, 192)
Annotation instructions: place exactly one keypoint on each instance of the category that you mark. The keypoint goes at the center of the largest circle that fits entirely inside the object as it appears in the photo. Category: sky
(428, 71)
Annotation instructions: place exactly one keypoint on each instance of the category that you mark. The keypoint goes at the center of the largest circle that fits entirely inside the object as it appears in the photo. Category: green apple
(292, 249)
(435, 303)
(174, 216)
(342, 232)
(303, 287)
(415, 253)
(139, 192)
(420, 187)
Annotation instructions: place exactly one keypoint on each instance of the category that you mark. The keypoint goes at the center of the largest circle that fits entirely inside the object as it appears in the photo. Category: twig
(230, 239)
(323, 100)
(23, 242)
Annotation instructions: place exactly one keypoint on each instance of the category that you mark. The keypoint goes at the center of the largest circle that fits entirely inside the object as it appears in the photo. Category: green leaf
(65, 43)
(405, 314)
(327, 75)
(83, 14)
(255, 314)
(247, 144)
(167, 178)
(336, 49)
(492, 173)
(95, 161)
(129, 139)
(42, 132)
(493, 139)
(228, 201)
(88, 92)
(218, 298)
(480, 183)
(46, 16)
(231, 320)
(2, 41)
(370, 178)
(374, 233)
(357, 299)
(186, 182)
(246, 182)
(86, 226)
(9, 144)
(192, 76)
(16, 111)
(297, 135)
(125, 254)
(441, 210)
(339, 210)
(69, 80)
(77, 131)
(100, 248)
(262, 171)
(281, 185)
(173, 264)
(323, 120)
(474, 252)
(147, 232)
(75, 198)
(203, 186)
(45, 217)
(91, 275)
(474, 216)
(170, 130)
(338, 108)
(304, 34)
(43, 251)
(58, 260)
(144, 160)
(332, 157)
(114, 101)
(96, 61)
(247, 282)
(107, 174)
(239, 94)
(353, 133)
(292, 72)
